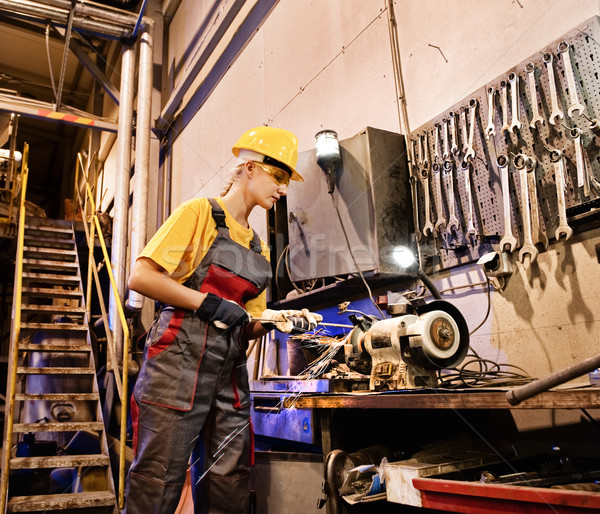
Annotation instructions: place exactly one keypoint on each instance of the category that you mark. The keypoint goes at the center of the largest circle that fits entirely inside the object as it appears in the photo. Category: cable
(49, 60)
(487, 313)
(352, 255)
(490, 374)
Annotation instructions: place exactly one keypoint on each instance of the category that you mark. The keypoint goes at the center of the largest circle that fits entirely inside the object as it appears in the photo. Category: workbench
(407, 410)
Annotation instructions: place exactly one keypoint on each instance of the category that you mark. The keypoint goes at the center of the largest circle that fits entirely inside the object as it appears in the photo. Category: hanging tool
(454, 133)
(446, 153)
(470, 153)
(528, 252)
(583, 177)
(576, 105)
(539, 235)
(563, 229)
(548, 59)
(466, 169)
(490, 130)
(413, 190)
(513, 80)
(437, 178)
(424, 177)
(537, 117)
(463, 129)
(504, 105)
(453, 223)
(509, 241)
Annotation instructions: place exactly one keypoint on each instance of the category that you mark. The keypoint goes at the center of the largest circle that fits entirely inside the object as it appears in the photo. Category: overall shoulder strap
(255, 245)
(218, 214)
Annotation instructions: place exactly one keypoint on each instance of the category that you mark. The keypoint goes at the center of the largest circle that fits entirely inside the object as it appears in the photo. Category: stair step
(49, 229)
(53, 309)
(48, 242)
(45, 292)
(74, 426)
(62, 327)
(60, 397)
(49, 253)
(50, 278)
(50, 265)
(55, 371)
(54, 347)
(58, 461)
(46, 502)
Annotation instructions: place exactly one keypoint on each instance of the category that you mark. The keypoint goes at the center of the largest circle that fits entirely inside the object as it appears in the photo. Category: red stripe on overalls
(135, 413)
(228, 285)
(169, 336)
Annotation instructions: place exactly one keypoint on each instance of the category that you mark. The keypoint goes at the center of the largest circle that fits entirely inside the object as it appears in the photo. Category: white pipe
(123, 172)
(139, 214)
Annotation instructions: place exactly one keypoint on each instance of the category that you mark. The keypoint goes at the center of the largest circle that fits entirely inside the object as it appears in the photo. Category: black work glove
(222, 313)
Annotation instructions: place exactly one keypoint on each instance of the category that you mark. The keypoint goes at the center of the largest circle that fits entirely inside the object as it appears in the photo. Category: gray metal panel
(371, 194)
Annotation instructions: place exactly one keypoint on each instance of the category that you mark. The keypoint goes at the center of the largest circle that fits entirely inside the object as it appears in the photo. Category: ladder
(55, 402)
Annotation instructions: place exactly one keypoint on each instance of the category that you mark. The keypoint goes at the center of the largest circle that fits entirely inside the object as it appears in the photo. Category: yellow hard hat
(277, 146)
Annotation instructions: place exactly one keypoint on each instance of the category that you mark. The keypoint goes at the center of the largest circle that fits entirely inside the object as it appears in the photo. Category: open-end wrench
(528, 252)
(538, 235)
(470, 152)
(446, 153)
(548, 59)
(509, 241)
(537, 117)
(437, 143)
(414, 172)
(428, 227)
(563, 229)
(437, 180)
(426, 159)
(454, 132)
(453, 223)
(466, 169)
(513, 80)
(576, 105)
(490, 130)
(463, 129)
(583, 177)
(504, 105)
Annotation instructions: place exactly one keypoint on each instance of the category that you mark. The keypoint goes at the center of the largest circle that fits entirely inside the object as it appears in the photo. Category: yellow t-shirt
(182, 241)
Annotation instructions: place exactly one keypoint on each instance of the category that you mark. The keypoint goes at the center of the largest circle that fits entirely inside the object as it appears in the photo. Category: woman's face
(266, 184)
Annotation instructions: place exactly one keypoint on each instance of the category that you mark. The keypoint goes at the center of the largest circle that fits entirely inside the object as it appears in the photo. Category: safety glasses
(280, 177)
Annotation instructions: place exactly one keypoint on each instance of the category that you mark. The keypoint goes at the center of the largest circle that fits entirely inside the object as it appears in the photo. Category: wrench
(453, 131)
(424, 172)
(470, 153)
(548, 59)
(426, 159)
(504, 99)
(441, 221)
(463, 129)
(490, 130)
(528, 252)
(583, 177)
(453, 222)
(466, 168)
(536, 228)
(438, 149)
(414, 171)
(513, 79)
(576, 105)
(537, 118)
(509, 241)
(446, 153)
(556, 157)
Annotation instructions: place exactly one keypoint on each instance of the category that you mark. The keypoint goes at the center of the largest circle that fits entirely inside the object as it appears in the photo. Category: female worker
(209, 269)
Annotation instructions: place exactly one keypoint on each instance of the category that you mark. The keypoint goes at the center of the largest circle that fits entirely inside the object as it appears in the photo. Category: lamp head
(328, 154)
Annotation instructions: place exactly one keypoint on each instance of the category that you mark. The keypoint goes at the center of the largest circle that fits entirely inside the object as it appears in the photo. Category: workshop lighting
(328, 155)
(406, 259)
(403, 257)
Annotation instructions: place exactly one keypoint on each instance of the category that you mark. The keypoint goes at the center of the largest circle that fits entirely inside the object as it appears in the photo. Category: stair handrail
(16, 334)
(125, 326)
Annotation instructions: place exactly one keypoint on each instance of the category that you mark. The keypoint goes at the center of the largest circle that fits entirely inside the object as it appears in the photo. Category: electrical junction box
(372, 194)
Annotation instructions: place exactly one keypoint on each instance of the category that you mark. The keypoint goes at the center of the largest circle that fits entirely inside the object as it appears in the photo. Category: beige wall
(327, 64)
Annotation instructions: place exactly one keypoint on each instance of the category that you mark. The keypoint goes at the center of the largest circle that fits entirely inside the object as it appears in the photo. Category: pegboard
(444, 167)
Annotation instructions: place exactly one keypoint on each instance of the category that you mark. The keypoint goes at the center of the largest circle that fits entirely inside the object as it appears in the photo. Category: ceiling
(31, 64)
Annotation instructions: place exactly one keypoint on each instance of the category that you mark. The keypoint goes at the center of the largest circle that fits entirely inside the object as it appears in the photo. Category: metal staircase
(54, 403)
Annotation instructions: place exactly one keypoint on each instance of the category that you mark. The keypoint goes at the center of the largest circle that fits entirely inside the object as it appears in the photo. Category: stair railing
(121, 382)
(14, 343)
